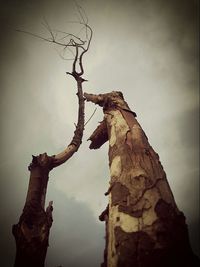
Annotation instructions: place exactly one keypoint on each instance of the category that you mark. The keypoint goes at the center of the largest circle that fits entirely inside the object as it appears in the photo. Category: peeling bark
(144, 226)
(99, 137)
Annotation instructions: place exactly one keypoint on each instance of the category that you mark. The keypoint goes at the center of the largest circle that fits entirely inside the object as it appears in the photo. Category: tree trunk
(144, 227)
(32, 231)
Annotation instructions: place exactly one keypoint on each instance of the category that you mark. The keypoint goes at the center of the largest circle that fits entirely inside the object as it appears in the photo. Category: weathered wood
(32, 231)
(144, 226)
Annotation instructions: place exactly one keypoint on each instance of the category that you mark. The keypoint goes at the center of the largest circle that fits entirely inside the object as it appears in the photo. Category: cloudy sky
(146, 49)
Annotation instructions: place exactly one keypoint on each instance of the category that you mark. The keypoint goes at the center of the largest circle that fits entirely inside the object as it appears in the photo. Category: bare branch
(46, 25)
(35, 35)
(46, 39)
(71, 35)
(35, 238)
(88, 45)
(77, 47)
(81, 13)
(78, 133)
(75, 60)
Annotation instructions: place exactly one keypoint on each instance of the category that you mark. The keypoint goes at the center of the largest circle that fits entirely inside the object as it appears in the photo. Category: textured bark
(144, 227)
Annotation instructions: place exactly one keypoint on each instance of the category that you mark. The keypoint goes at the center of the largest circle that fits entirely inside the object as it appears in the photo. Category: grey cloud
(85, 246)
(188, 125)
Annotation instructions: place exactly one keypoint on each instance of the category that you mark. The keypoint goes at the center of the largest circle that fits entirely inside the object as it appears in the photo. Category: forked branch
(78, 47)
(32, 231)
(70, 44)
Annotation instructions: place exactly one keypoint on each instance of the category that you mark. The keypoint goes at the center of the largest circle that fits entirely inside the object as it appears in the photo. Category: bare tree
(32, 231)
(144, 227)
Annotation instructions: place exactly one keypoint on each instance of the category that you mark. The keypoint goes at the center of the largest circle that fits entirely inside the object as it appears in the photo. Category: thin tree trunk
(144, 227)
(32, 231)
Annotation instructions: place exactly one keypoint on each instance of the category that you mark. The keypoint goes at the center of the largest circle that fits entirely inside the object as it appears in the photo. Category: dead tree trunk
(144, 227)
(32, 231)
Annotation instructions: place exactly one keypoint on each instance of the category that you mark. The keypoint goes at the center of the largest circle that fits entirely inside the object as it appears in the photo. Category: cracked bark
(144, 227)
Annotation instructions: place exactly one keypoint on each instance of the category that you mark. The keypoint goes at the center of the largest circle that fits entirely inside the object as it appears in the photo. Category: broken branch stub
(110, 100)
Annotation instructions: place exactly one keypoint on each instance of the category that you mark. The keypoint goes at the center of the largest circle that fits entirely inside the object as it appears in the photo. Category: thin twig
(76, 45)
(45, 39)
(90, 117)
(46, 25)
(62, 56)
(70, 35)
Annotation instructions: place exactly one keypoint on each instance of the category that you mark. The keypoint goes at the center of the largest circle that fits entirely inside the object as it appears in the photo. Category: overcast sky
(146, 49)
